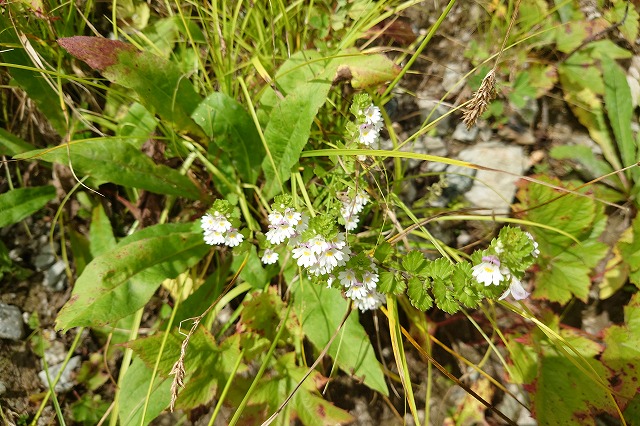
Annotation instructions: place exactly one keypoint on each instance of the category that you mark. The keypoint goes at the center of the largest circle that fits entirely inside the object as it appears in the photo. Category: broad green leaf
(121, 281)
(320, 310)
(617, 98)
(113, 160)
(101, 238)
(569, 272)
(564, 395)
(207, 365)
(306, 403)
(391, 283)
(629, 247)
(159, 83)
(263, 312)
(133, 395)
(232, 129)
(622, 351)
(25, 74)
(581, 83)
(253, 271)
(570, 36)
(414, 261)
(12, 145)
(366, 70)
(20, 203)
(137, 125)
(628, 16)
(593, 166)
(288, 131)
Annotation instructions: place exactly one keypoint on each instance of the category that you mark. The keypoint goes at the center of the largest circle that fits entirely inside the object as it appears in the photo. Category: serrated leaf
(160, 84)
(20, 203)
(113, 160)
(440, 269)
(444, 297)
(568, 274)
(414, 261)
(418, 294)
(263, 312)
(122, 280)
(390, 283)
(232, 129)
(320, 311)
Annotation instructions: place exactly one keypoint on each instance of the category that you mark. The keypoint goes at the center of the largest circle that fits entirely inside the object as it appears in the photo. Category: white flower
(357, 291)
(305, 256)
(275, 218)
(233, 238)
(215, 222)
(368, 134)
(318, 244)
(370, 280)
(212, 237)
(269, 257)
(362, 199)
(348, 278)
(372, 115)
(372, 300)
(330, 280)
(338, 241)
(488, 272)
(279, 233)
(330, 258)
(535, 252)
(516, 290)
(292, 217)
(351, 223)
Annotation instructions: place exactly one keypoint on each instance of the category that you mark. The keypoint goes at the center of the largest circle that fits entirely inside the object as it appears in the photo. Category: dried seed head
(481, 99)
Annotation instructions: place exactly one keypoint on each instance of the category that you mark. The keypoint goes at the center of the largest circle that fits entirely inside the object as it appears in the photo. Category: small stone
(452, 81)
(66, 380)
(463, 135)
(494, 191)
(433, 109)
(3, 388)
(55, 277)
(11, 325)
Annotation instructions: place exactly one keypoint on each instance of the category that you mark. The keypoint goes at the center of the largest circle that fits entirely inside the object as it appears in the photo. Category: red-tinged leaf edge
(98, 52)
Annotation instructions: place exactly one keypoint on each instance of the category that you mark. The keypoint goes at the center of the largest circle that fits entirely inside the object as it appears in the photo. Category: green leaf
(440, 269)
(629, 247)
(232, 129)
(367, 70)
(617, 98)
(20, 203)
(121, 281)
(391, 283)
(263, 312)
(306, 403)
(575, 397)
(134, 394)
(12, 145)
(622, 350)
(418, 294)
(25, 74)
(444, 297)
(320, 311)
(288, 131)
(101, 238)
(414, 261)
(112, 160)
(569, 273)
(159, 83)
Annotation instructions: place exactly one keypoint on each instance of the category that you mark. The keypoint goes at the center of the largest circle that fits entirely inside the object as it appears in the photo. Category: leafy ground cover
(219, 213)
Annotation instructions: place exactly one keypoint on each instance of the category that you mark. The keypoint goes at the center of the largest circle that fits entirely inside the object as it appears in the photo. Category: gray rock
(3, 388)
(66, 380)
(494, 191)
(433, 109)
(452, 80)
(55, 277)
(463, 135)
(11, 325)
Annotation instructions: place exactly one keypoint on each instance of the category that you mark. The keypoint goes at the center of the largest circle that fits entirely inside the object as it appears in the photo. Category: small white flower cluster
(218, 230)
(360, 285)
(370, 129)
(489, 272)
(321, 256)
(351, 207)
